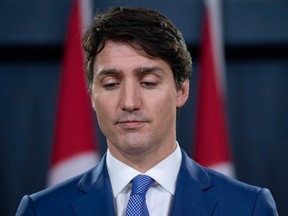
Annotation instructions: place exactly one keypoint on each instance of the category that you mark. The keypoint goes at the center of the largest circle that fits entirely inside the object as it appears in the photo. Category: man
(138, 71)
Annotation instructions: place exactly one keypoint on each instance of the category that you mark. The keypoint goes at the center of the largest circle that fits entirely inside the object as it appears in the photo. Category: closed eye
(148, 84)
(110, 86)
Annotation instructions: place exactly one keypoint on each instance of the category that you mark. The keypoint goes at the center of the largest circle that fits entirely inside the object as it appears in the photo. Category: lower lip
(131, 125)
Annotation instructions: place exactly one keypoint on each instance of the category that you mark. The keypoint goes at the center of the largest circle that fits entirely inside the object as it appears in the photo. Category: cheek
(164, 104)
(101, 110)
(100, 103)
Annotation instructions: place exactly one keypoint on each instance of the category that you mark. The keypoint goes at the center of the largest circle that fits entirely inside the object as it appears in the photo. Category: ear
(182, 94)
(92, 102)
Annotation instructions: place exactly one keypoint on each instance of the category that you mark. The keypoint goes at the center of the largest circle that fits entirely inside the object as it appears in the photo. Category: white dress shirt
(159, 196)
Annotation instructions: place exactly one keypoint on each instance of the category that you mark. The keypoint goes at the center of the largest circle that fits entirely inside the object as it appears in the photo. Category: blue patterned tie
(137, 204)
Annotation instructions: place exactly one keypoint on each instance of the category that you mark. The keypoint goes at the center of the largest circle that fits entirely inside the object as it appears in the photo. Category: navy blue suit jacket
(199, 192)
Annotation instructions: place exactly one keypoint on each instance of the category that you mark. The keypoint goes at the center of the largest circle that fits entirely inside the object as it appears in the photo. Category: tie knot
(140, 184)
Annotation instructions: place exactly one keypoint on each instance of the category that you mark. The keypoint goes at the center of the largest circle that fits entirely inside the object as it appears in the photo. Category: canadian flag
(74, 149)
(211, 142)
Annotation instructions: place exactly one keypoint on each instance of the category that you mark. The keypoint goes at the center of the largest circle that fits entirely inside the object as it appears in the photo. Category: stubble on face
(136, 110)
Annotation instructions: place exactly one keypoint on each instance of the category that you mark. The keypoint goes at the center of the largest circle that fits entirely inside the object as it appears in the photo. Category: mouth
(131, 124)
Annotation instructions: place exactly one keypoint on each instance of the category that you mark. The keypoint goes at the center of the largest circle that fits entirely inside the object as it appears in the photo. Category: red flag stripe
(74, 135)
(211, 144)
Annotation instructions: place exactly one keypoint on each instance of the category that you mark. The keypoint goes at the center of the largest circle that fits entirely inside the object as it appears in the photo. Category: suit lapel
(190, 196)
(98, 199)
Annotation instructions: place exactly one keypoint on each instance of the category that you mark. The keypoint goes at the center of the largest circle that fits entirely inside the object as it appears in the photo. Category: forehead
(112, 47)
(124, 56)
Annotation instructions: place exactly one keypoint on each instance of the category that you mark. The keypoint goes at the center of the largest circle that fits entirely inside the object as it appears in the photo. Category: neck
(142, 161)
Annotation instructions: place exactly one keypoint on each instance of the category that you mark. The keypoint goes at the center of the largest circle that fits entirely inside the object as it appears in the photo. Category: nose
(130, 98)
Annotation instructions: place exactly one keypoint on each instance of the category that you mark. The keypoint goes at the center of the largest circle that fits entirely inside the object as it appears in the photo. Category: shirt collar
(165, 173)
(120, 174)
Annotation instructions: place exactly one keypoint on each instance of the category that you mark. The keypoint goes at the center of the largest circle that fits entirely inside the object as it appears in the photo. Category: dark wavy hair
(141, 28)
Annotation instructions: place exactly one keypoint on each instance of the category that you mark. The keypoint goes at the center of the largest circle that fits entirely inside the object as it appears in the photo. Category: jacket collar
(190, 198)
(98, 199)
(192, 184)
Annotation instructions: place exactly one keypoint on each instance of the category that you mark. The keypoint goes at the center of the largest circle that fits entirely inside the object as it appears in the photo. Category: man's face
(135, 100)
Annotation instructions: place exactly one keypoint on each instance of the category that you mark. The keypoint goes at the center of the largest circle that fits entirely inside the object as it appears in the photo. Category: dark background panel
(30, 22)
(28, 93)
(258, 117)
(32, 33)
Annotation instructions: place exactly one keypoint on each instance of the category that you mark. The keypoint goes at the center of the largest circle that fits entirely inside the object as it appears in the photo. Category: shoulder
(207, 178)
(50, 200)
(58, 198)
(245, 197)
(65, 189)
(230, 194)
(230, 186)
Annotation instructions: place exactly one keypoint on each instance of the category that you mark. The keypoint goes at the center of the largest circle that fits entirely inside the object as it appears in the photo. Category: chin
(135, 148)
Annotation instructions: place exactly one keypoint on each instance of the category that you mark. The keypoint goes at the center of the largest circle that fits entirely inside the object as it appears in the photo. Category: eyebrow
(148, 70)
(111, 71)
(139, 70)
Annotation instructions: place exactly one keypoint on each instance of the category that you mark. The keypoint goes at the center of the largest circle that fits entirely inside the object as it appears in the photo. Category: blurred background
(32, 35)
